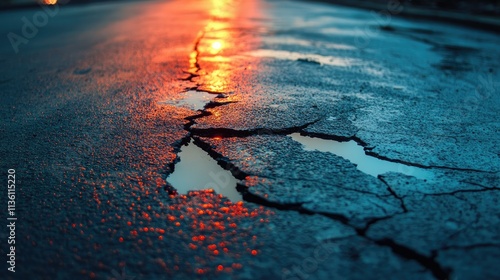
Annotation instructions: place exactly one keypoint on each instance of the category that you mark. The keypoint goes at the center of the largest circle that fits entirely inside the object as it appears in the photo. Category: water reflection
(194, 100)
(222, 9)
(197, 170)
(206, 227)
(216, 46)
(212, 67)
(315, 58)
(213, 60)
(355, 153)
(201, 232)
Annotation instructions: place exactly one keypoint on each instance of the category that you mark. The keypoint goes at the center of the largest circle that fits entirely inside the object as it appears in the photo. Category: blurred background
(484, 7)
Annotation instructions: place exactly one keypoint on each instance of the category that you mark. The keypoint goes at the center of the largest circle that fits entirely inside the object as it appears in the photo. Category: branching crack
(402, 202)
(408, 253)
(405, 252)
(214, 104)
(195, 56)
(220, 159)
(228, 132)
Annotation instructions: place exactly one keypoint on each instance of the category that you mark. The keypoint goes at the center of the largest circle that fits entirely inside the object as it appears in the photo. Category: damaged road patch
(196, 170)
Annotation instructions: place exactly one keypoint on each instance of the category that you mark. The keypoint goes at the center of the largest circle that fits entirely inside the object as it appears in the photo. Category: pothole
(355, 153)
(196, 170)
(192, 99)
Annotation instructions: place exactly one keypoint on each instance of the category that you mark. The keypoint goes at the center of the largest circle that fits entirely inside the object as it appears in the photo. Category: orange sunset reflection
(203, 232)
(223, 37)
(48, 2)
(137, 212)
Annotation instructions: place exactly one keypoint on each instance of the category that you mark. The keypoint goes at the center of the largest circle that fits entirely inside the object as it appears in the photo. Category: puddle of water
(305, 43)
(321, 59)
(339, 31)
(196, 170)
(355, 153)
(194, 100)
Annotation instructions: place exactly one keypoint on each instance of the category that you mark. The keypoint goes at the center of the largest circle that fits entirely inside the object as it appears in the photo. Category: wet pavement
(250, 140)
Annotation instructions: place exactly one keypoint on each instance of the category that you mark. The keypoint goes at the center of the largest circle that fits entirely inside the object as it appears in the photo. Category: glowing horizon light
(49, 2)
(217, 45)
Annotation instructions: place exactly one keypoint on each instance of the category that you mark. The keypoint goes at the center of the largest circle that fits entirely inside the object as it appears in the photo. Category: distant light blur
(49, 2)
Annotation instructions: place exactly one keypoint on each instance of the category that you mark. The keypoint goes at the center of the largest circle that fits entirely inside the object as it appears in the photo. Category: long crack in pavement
(109, 135)
(270, 176)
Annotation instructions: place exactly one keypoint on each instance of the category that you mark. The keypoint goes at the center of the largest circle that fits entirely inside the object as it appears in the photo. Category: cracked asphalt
(93, 122)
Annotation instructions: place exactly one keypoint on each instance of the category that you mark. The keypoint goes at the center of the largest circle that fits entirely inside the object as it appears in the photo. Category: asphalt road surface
(100, 104)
